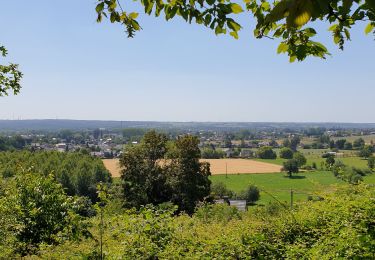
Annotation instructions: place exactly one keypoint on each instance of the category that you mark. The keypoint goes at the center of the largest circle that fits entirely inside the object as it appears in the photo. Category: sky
(75, 68)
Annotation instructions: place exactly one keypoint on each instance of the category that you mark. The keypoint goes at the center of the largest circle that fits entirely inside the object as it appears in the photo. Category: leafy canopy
(287, 20)
(10, 76)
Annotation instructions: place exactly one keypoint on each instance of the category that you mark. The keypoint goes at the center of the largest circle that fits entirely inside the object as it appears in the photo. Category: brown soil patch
(218, 166)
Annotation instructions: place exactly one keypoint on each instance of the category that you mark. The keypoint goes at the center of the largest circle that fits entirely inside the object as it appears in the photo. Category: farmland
(218, 166)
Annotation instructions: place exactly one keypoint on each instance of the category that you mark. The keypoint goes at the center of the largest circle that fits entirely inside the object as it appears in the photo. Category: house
(241, 205)
(61, 147)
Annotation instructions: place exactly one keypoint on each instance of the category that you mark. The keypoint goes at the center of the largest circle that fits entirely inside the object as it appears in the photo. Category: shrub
(36, 211)
(266, 152)
(371, 163)
(251, 194)
(219, 189)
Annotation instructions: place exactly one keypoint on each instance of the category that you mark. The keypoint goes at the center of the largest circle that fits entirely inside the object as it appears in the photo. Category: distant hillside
(59, 124)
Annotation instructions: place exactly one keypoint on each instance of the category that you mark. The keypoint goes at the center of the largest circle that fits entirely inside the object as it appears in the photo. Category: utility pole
(226, 170)
(291, 199)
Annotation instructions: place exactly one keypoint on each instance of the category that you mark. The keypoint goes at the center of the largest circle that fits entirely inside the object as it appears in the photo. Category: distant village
(107, 143)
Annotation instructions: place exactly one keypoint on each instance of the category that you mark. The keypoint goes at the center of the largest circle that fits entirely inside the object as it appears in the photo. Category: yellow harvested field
(218, 166)
(112, 166)
(234, 166)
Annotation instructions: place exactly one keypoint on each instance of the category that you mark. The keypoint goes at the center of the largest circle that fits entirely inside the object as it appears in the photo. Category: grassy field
(303, 184)
(315, 155)
(367, 138)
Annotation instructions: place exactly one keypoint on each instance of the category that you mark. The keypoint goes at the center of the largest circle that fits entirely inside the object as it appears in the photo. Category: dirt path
(218, 166)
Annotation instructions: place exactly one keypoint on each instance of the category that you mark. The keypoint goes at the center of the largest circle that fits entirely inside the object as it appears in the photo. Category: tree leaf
(236, 8)
(283, 47)
(369, 28)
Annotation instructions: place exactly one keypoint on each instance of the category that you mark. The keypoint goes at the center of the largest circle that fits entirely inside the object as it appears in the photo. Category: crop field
(112, 166)
(218, 166)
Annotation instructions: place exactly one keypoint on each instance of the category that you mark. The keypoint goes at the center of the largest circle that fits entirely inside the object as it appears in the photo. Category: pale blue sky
(75, 68)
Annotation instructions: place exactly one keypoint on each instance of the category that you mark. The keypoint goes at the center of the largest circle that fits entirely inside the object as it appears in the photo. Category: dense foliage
(352, 175)
(78, 173)
(339, 227)
(284, 19)
(12, 143)
(10, 76)
(34, 209)
(266, 152)
(158, 171)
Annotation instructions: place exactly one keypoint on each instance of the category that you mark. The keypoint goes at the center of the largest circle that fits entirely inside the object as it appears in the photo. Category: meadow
(277, 185)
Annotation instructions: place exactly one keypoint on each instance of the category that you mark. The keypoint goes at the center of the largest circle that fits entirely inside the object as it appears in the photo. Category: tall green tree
(290, 166)
(187, 177)
(143, 176)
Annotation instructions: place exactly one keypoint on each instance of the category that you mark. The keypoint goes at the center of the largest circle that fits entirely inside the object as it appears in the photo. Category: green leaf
(133, 15)
(369, 28)
(266, 6)
(347, 33)
(333, 27)
(292, 59)
(234, 34)
(99, 8)
(283, 47)
(310, 32)
(234, 26)
(236, 8)
(336, 39)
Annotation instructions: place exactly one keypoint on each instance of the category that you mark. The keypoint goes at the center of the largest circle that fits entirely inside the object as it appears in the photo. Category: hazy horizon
(175, 72)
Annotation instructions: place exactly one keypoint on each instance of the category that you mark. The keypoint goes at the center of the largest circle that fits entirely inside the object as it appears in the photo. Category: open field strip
(218, 166)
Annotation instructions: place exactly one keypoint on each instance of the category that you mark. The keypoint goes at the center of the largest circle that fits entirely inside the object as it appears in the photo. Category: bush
(219, 189)
(266, 152)
(217, 213)
(35, 210)
(251, 194)
(371, 163)
(313, 165)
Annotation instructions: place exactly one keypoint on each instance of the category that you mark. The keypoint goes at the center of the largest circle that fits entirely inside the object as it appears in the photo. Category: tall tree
(187, 177)
(142, 175)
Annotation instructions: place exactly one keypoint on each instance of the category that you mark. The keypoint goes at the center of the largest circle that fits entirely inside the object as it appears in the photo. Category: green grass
(303, 184)
(315, 155)
(350, 161)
